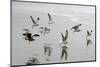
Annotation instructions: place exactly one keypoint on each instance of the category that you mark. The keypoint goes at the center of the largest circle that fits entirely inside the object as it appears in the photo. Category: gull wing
(32, 20)
(62, 37)
(66, 35)
(50, 19)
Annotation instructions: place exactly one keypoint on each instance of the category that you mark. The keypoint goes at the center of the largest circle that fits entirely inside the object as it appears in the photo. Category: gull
(50, 19)
(76, 28)
(64, 38)
(34, 22)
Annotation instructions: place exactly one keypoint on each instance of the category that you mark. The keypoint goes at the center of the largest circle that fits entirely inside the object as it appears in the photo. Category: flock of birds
(45, 30)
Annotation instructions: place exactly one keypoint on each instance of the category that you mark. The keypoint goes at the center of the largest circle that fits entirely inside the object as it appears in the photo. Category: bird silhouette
(34, 22)
(89, 33)
(50, 19)
(28, 35)
(64, 47)
(89, 41)
(64, 38)
(76, 28)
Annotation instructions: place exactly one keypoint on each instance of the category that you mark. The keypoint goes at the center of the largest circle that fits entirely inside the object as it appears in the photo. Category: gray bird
(64, 38)
(89, 33)
(64, 47)
(50, 19)
(76, 28)
(34, 22)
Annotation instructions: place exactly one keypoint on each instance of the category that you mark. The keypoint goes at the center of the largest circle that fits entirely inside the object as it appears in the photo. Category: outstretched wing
(32, 20)
(87, 32)
(50, 19)
(66, 35)
(26, 29)
(62, 37)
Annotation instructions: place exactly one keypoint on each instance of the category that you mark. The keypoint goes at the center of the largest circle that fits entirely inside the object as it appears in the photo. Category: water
(65, 17)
